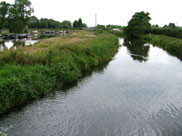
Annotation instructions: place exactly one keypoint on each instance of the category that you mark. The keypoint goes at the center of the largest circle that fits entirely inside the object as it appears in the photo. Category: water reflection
(14, 44)
(123, 98)
(138, 50)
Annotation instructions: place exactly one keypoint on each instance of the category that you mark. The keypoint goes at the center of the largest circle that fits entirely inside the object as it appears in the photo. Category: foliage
(172, 25)
(110, 27)
(84, 25)
(79, 24)
(44, 23)
(17, 17)
(138, 25)
(171, 45)
(170, 30)
(19, 14)
(65, 24)
(4, 7)
(33, 22)
(26, 75)
(100, 27)
(75, 23)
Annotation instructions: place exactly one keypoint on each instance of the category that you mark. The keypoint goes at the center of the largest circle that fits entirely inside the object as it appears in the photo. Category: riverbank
(172, 45)
(33, 71)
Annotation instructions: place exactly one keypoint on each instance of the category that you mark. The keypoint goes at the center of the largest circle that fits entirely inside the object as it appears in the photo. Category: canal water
(138, 93)
(15, 44)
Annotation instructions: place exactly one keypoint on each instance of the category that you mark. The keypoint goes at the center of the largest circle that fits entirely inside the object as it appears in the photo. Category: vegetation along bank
(33, 71)
(172, 45)
(139, 29)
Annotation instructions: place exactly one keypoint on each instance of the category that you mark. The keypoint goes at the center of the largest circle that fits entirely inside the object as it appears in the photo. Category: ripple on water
(127, 98)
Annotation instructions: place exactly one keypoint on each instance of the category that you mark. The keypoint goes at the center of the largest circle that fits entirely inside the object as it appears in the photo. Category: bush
(19, 89)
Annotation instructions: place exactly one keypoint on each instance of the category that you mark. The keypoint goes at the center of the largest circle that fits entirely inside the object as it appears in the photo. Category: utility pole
(95, 20)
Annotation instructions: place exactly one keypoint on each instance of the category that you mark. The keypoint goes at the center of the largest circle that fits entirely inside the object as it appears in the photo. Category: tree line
(17, 18)
(169, 30)
(45, 23)
(140, 25)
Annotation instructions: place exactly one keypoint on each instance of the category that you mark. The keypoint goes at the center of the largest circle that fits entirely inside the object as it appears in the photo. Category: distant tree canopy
(101, 27)
(172, 25)
(17, 18)
(65, 24)
(43, 23)
(114, 26)
(169, 30)
(138, 25)
(79, 24)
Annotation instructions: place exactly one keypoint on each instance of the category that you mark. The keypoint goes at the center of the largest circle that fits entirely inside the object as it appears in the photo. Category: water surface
(14, 44)
(139, 93)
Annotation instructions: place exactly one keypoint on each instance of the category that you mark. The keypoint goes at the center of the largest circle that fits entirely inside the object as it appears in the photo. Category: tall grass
(32, 72)
(172, 45)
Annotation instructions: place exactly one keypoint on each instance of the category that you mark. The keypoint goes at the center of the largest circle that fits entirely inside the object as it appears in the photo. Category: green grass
(172, 45)
(32, 72)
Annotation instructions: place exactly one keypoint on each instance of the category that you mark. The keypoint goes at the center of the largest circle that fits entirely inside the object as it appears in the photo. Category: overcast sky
(108, 11)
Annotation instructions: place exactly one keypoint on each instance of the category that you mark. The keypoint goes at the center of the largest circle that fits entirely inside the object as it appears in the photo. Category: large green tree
(4, 7)
(138, 25)
(19, 14)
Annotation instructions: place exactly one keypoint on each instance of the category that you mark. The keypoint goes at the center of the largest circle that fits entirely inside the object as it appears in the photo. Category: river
(138, 93)
(14, 44)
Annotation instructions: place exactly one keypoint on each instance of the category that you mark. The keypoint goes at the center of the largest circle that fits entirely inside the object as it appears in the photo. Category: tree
(75, 24)
(84, 25)
(138, 25)
(19, 14)
(101, 27)
(79, 22)
(172, 25)
(33, 22)
(65, 24)
(4, 7)
(46, 23)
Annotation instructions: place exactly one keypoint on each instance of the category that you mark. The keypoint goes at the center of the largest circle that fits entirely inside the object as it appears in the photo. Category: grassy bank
(33, 71)
(172, 45)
